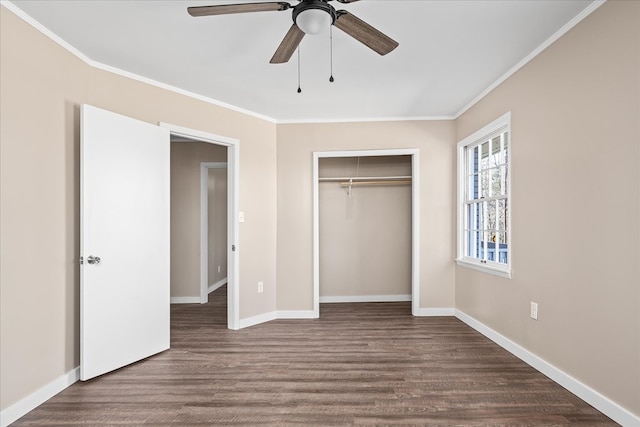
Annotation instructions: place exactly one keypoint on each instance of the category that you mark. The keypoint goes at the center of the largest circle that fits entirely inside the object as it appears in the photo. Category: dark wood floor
(359, 364)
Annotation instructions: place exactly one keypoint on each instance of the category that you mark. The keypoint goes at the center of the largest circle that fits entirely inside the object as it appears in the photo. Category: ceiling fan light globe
(313, 21)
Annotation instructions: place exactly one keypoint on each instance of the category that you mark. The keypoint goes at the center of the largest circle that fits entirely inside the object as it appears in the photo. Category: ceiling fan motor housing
(322, 5)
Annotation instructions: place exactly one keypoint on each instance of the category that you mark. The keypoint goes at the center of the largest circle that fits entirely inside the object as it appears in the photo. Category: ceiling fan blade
(365, 33)
(288, 45)
(347, 1)
(225, 9)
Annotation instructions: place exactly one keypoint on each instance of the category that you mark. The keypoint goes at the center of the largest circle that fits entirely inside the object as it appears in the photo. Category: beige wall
(40, 91)
(185, 213)
(575, 205)
(365, 236)
(42, 86)
(296, 144)
(217, 225)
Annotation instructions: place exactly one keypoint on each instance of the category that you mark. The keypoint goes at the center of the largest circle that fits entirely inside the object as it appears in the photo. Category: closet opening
(366, 227)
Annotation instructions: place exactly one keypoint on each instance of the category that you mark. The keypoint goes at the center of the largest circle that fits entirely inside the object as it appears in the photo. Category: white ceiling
(449, 52)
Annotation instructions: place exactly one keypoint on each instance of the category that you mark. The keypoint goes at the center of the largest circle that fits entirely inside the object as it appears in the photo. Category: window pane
(496, 152)
(488, 245)
(503, 180)
(491, 219)
(474, 159)
(474, 187)
(502, 215)
(501, 248)
(484, 184)
(484, 159)
(474, 216)
(506, 146)
(474, 244)
(496, 182)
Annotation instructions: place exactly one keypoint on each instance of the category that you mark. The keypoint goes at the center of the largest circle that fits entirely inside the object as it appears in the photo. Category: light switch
(241, 217)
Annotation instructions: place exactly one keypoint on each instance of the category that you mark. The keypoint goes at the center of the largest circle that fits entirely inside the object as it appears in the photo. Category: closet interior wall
(365, 230)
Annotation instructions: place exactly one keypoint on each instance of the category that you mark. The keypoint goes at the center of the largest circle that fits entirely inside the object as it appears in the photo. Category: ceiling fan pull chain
(331, 51)
(299, 89)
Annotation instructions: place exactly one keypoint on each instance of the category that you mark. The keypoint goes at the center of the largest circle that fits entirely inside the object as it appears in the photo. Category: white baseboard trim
(365, 298)
(217, 285)
(185, 300)
(436, 312)
(256, 320)
(37, 398)
(295, 314)
(584, 392)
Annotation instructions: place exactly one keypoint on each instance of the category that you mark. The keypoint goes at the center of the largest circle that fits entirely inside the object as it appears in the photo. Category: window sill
(501, 272)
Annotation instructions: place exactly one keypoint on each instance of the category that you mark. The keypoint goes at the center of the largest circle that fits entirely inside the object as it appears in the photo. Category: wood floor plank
(360, 364)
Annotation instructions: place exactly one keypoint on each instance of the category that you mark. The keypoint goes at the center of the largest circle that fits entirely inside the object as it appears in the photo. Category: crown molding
(365, 119)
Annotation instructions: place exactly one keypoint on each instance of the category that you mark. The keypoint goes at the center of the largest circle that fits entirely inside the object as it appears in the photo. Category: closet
(365, 228)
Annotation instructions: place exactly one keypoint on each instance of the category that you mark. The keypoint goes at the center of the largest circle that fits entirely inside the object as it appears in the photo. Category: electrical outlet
(260, 287)
(534, 310)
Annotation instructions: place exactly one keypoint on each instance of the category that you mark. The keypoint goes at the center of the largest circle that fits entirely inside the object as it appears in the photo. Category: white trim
(583, 391)
(524, 61)
(185, 300)
(204, 227)
(436, 312)
(366, 119)
(365, 298)
(415, 220)
(37, 398)
(295, 314)
(485, 268)
(233, 206)
(215, 286)
(256, 320)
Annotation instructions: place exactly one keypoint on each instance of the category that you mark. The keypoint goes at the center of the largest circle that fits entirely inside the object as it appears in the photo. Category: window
(484, 167)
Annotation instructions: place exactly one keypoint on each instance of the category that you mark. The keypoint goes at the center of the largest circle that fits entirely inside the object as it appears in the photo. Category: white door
(124, 242)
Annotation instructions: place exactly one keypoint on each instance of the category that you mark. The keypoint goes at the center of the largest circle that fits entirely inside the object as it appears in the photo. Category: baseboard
(256, 320)
(185, 300)
(436, 312)
(365, 298)
(584, 392)
(295, 314)
(217, 285)
(29, 403)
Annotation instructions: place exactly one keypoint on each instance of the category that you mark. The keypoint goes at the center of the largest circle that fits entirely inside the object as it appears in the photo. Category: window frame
(490, 131)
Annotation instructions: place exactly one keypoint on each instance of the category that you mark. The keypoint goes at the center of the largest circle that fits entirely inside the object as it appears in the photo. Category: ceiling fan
(309, 17)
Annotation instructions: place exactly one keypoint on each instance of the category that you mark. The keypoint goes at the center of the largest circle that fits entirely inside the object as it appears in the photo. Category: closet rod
(366, 178)
(377, 182)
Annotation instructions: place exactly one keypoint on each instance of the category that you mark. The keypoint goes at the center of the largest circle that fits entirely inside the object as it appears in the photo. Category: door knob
(93, 259)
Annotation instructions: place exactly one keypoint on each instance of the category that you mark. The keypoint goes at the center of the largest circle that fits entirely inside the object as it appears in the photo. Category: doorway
(232, 147)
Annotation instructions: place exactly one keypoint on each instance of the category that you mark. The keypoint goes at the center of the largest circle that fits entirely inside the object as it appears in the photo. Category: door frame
(415, 218)
(233, 203)
(204, 226)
